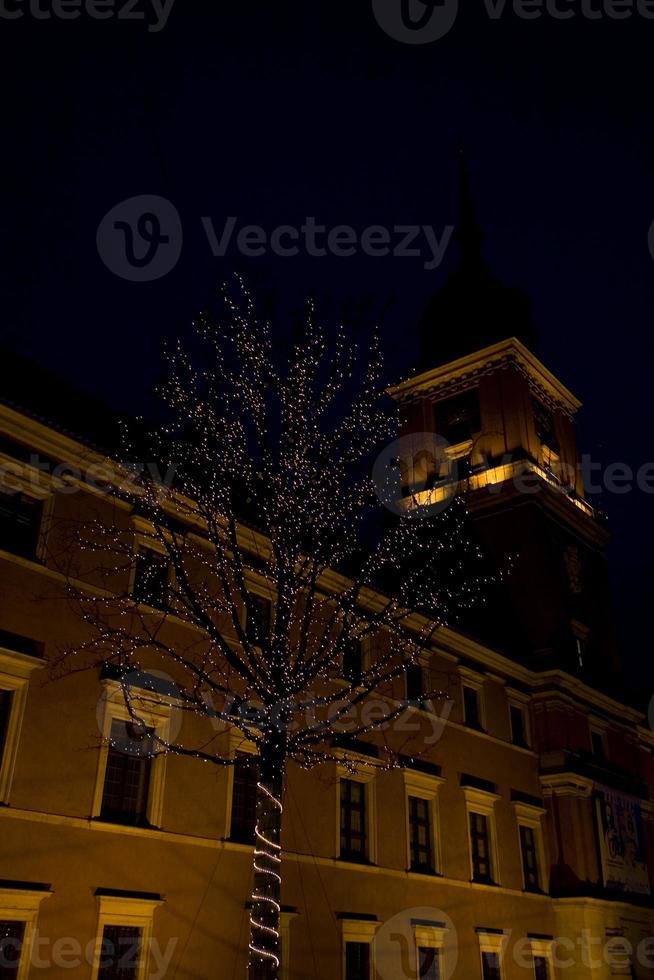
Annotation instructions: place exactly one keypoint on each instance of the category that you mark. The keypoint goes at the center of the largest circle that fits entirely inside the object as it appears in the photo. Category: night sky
(275, 112)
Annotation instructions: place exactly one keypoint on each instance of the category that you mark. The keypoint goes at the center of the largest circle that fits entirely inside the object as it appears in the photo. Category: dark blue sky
(272, 112)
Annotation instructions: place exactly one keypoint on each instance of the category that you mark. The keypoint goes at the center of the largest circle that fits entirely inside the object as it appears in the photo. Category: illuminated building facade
(519, 843)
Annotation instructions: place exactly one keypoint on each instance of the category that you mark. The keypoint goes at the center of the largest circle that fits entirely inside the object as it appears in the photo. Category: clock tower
(507, 428)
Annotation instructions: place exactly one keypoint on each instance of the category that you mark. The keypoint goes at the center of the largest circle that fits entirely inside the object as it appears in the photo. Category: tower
(510, 444)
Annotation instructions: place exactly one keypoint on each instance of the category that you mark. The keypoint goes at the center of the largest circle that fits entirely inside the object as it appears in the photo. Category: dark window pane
(544, 424)
(258, 620)
(428, 964)
(119, 956)
(11, 945)
(541, 968)
(471, 714)
(244, 801)
(353, 661)
(151, 579)
(20, 521)
(491, 966)
(353, 820)
(517, 725)
(414, 683)
(357, 961)
(597, 742)
(458, 419)
(127, 776)
(480, 843)
(529, 858)
(6, 698)
(420, 834)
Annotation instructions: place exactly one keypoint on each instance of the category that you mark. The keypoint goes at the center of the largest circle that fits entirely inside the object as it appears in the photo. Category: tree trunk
(265, 949)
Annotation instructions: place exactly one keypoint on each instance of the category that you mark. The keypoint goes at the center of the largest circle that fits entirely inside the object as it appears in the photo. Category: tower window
(544, 425)
(353, 661)
(458, 419)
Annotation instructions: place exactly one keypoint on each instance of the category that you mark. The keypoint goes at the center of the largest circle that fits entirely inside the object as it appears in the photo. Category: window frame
(475, 682)
(367, 778)
(520, 701)
(431, 937)
(542, 949)
(237, 745)
(492, 942)
(31, 482)
(531, 816)
(361, 931)
(483, 803)
(263, 591)
(124, 910)
(156, 715)
(425, 787)
(23, 905)
(15, 671)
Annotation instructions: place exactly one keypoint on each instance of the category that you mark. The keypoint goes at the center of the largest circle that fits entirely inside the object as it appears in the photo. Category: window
(12, 936)
(6, 699)
(357, 961)
(120, 953)
(518, 725)
(428, 963)
(420, 835)
(544, 425)
(534, 868)
(490, 963)
(258, 619)
(353, 660)
(353, 820)
(127, 773)
(244, 800)
(481, 848)
(529, 850)
(124, 933)
(358, 954)
(597, 745)
(19, 908)
(15, 670)
(151, 577)
(458, 419)
(471, 707)
(20, 523)
(541, 968)
(131, 768)
(414, 683)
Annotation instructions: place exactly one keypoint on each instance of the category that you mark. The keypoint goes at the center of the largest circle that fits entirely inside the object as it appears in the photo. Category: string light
(271, 496)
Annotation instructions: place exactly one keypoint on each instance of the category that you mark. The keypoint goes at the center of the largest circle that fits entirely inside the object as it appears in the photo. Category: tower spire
(468, 235)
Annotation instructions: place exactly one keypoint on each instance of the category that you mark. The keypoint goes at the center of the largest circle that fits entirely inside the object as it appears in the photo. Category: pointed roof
(473, 309)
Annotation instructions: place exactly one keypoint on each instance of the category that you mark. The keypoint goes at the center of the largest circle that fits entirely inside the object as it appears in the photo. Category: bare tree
(271, 455)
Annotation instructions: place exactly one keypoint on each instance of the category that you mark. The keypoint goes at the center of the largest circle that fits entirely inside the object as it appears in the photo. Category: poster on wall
(621, 841)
